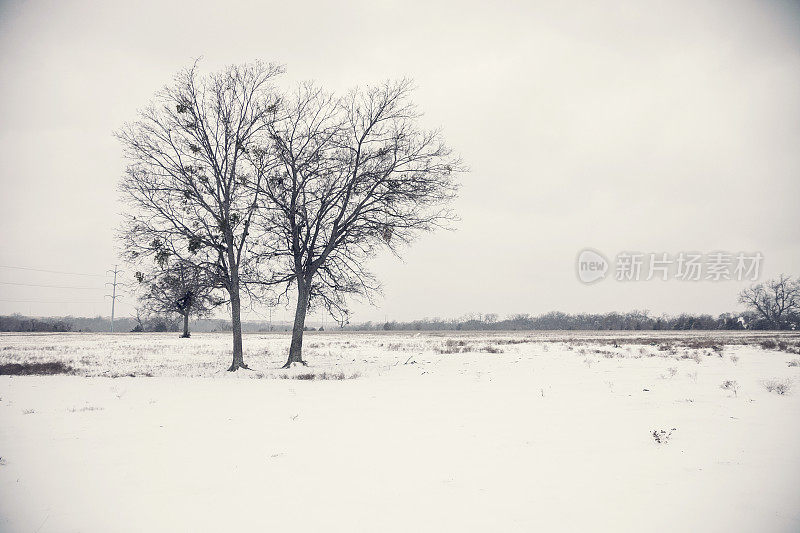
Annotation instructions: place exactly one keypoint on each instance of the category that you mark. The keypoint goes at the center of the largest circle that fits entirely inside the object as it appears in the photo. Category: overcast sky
(620, 126)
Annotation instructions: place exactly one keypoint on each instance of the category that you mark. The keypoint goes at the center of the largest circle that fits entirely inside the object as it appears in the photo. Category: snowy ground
(428, 432)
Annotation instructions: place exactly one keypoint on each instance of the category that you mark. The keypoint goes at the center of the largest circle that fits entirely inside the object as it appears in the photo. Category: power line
(51, 286)
(51, 271)
(52, 301)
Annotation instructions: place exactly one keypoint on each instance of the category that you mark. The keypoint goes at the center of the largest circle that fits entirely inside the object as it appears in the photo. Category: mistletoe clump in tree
(195, 161)
(355, 174)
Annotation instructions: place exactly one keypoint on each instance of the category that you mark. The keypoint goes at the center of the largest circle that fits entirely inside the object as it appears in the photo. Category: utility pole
(113, 295)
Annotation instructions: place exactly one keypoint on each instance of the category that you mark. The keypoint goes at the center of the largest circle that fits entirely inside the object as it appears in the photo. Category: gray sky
(633, 125)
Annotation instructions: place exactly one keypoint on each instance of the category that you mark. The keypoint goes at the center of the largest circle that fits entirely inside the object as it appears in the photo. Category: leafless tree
(139, 320)
(196, 157)
(356, 174)
(777, 300)
(177, 287)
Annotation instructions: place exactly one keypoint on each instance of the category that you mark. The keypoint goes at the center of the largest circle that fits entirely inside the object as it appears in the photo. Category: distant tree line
(634, 320)
(773, 304)
(18, 322)
(150, 323)
(631, 321)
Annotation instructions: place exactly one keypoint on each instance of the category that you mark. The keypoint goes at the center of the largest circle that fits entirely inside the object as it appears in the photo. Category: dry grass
(491, 349)
(452, 346)
(35, 369)
(781, 345)
(321, 376)
(208, 355)
(671, 371)
(85, 409)
(693, 356)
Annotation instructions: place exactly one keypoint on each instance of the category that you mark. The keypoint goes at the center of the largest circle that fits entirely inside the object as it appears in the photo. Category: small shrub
(778, 387)
(692, 376)
(731, 386)
(700, 344)
(85, 409)
(769, 344)
(734, 359)
(662, 436)
(668, 347)
(455, 342)
(605, 353)
(491, 349)
(454, 346)
(697, 357)
(671, 371)
(790, 348)
(794, 362)
(693, 356)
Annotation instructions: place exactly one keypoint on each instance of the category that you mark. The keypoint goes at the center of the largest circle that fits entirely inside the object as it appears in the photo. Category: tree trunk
(236, 322)
(185, 326)
(296, 349)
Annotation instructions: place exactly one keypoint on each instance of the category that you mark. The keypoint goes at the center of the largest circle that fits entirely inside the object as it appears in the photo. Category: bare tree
(180, 288)
(196, 158)
(355, 174)
(777, 301)
(139, 321)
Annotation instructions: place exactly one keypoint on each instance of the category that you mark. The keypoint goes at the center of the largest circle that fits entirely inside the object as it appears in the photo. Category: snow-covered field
(427, 432)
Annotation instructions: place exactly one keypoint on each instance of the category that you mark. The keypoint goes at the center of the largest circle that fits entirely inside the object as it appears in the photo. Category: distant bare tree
(356, 174)
(777, 300)
(196, 157)
(139, 320)
(177, 288)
